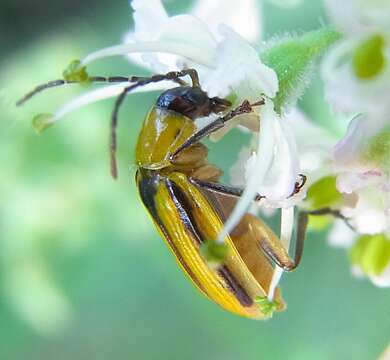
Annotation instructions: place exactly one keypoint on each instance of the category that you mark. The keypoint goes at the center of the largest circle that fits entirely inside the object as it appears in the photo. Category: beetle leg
(223, 189)
(274, 249)
(268, 242)
(332, 212)
(217, 124)
(235, 191)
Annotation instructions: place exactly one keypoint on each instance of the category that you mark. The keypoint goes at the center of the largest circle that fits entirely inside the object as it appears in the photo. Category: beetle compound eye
(220, 105)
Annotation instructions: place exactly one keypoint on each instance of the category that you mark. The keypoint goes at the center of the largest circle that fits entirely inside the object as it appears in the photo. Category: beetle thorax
(162, 133)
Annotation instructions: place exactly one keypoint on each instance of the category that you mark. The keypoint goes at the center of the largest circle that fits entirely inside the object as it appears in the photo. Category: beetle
(188, 204)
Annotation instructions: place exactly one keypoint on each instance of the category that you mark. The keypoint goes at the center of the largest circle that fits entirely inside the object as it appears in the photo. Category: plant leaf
(292, 58)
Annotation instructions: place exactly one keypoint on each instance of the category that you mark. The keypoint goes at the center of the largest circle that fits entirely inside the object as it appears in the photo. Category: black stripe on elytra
(147, 186)
(238, 291)
(185, 207)
(184, 210)
(233, 285)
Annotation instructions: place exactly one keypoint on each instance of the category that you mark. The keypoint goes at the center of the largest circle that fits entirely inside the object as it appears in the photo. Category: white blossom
(360, 160)
(278, 158)
(363, 168)
(345, 90)
(226, 62)
(310, 153)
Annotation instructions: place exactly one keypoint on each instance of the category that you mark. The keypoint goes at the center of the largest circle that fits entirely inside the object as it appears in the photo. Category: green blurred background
(83, 273)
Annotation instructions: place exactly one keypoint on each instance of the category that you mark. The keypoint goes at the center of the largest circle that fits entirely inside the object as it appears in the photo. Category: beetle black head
(192, 102)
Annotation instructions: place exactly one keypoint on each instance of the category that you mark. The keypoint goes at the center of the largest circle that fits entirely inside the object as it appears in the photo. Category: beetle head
(192, 102)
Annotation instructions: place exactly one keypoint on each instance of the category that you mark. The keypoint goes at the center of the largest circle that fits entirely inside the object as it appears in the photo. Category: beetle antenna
(61, 82)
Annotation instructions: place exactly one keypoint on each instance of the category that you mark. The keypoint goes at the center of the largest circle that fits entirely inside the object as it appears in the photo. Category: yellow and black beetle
(188, 204)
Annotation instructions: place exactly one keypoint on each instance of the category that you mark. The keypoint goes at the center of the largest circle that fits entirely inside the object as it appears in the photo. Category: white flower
(277, 157)
(244, 19)
(314, 144)
(345, 89)
(361, 160)
(226, 62)
(239, 70)
(356, 73)
(310, 148)
(364, 16)
(364, 146)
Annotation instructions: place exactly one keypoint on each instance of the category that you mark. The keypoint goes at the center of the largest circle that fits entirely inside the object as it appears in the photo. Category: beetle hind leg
(273, 248)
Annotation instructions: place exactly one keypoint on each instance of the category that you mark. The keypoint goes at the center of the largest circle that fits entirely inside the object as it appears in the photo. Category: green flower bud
(266, 306)
(41, 122)
(76, 72)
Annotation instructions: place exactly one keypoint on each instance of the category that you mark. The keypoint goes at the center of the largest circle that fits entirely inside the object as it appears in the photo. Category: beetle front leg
(245, 108)
(223, 189)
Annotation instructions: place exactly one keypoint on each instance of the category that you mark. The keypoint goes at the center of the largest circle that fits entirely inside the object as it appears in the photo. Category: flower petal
(282, 174)
(314, 143)
(101, 94)
(244, 19)
(262, 164)
(272, 171)
(185, 50)
(363, 16)
(237, 171)
(239, 69)
(286, 231)
(149, 17)
(346, 92)
(352, 152)
(182, 32)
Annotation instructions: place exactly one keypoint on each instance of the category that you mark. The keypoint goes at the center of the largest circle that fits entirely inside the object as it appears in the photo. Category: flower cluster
(357, 83)
(348, 176)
